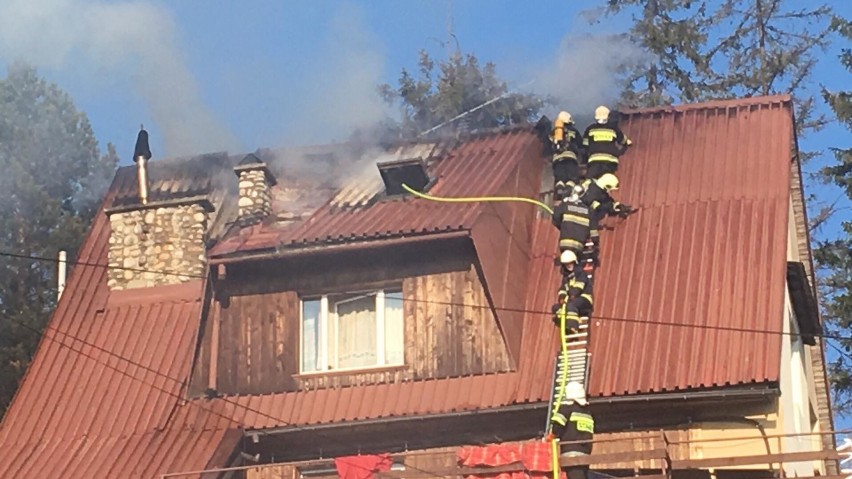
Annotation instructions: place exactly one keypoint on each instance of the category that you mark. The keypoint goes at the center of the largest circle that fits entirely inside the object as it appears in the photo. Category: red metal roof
(706, 249)
(476, 167)
(109, 372)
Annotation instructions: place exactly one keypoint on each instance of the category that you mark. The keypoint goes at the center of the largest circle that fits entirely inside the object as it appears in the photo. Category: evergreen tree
(53, 177)
(458, 85)
(834, 257)
(701, 50)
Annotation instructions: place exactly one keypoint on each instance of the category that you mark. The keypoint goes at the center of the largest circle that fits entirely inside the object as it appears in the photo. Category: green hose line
(477, 199)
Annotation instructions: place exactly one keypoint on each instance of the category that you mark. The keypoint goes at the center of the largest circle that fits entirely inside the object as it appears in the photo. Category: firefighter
(596, 196)
(567, 143)
(572, 217)
(575, 292)
(573, 425)
(605, 143)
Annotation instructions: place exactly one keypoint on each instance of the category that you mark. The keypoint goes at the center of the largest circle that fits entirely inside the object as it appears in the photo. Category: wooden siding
(450, 329)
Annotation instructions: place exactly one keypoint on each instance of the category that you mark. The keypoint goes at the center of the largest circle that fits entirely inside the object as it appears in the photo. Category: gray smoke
(133, 38)
(584, 73)
(340, 92)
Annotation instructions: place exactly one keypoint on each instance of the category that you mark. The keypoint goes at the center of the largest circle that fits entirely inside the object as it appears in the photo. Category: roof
(706, 249)
(359, 211)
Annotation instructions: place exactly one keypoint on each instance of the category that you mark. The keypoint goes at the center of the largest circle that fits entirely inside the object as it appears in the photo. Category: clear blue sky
(271, 73)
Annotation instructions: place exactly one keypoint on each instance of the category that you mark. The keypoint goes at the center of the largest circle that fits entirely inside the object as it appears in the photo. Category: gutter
(772, 391)
(320, 248)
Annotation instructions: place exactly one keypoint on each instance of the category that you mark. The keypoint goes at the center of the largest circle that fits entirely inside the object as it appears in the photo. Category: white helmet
(601, 114)
(574, 391)
(608, 181)
(568, 257)
(565, 117)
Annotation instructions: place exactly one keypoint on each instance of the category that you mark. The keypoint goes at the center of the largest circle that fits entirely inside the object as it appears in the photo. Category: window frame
(328, 355)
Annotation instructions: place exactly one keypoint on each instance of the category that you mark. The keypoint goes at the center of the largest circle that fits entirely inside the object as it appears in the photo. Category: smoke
(341, 89)
(584, 73)
(134, 39)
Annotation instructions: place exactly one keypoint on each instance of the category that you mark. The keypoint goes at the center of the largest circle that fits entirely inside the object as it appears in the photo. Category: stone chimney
(256, 182)
(156, 238)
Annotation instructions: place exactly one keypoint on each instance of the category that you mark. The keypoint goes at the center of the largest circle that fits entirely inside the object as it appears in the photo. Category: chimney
(161, 239)
(141, 155)
(256, 182)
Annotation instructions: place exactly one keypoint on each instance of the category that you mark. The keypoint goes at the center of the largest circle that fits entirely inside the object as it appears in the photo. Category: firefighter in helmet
(567, 145)
(605, 143)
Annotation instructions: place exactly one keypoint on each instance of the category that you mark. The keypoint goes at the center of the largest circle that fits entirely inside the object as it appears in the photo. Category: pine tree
(459, 85)
(701, 50)
(834, 257)
(53, 177)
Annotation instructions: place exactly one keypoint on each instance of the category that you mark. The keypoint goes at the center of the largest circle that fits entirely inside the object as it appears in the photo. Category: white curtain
(356, 332)
(394, 329)
(310, 335)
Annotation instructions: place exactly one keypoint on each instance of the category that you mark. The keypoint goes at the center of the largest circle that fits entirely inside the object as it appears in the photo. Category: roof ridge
(712, 104)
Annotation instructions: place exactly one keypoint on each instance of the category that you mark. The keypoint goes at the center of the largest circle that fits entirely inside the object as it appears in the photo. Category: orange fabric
(362, 467)
(534, 457)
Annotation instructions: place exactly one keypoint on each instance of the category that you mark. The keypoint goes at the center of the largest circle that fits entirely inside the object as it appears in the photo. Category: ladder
(571, 364)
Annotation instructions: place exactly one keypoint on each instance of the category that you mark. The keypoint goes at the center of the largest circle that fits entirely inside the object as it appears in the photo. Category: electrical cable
(495, 308)
(477, 199)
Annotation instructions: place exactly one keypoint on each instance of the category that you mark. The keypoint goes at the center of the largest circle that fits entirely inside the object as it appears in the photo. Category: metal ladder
(576, 358)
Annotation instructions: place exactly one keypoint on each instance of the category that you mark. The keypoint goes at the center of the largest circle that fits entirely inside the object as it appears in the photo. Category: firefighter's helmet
(601, 114)
(565, 117)
(574, 391)
(608, 181)
(568, 257)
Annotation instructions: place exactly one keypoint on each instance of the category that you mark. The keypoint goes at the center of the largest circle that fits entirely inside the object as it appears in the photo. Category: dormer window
(352, 331)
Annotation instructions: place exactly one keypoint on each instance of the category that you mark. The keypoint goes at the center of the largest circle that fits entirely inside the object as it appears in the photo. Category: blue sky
(260, 73)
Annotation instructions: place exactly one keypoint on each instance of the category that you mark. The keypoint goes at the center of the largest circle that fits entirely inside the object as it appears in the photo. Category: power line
(477, 306)
(182, 384)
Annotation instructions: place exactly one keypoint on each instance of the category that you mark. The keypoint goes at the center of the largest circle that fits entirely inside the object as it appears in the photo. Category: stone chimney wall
(157, 246)
(255, 195)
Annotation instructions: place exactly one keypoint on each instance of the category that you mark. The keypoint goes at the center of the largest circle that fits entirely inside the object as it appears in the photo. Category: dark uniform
(572, 218)
(600, 204)
(604, 144)
(573, 422)
(576, 291)
(567, 157)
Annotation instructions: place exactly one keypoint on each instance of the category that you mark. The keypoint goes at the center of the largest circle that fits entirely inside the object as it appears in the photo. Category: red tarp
(535, 457)
(362, 467)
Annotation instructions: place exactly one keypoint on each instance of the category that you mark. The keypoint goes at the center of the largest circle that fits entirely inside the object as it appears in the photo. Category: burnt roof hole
(411, 172)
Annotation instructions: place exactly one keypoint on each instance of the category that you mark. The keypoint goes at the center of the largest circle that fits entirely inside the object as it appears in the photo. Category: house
(291, 306)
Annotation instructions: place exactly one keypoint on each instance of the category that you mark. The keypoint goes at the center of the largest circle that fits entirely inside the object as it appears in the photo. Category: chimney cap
(252, 163)
(142, 149)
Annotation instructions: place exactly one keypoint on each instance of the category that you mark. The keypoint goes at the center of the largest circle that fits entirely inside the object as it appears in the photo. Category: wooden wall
(450, 329)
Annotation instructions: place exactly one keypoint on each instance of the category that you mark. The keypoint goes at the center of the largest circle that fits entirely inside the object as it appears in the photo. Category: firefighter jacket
(573, 422)
(567, 143)
(572, 218)
(598, 200)
(575, 284)
(604, 141)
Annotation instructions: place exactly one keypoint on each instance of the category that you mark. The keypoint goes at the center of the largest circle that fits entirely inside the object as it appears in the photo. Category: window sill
(350, 371)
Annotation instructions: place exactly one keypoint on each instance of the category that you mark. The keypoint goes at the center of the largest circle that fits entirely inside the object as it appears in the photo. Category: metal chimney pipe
(61, 273)
(141, 155)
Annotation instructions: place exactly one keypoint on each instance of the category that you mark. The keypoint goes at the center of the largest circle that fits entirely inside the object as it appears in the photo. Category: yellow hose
(562, 380)
(555, 458)
(477, 199)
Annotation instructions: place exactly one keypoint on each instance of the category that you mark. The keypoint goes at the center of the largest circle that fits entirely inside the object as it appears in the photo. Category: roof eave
(294, 250)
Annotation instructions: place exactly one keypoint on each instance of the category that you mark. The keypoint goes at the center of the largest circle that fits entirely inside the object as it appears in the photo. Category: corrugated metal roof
(476, 167)
(706, 249)
(97, 398)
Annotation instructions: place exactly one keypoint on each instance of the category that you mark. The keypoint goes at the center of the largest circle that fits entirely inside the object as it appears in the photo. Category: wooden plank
(757, 459)
(253, 318)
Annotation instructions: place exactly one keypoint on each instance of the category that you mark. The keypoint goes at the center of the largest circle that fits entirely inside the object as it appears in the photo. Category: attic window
(411, 172)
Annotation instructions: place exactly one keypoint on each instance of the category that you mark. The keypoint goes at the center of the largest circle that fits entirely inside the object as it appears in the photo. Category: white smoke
(584, 72)
(341, 88)
(133, 38)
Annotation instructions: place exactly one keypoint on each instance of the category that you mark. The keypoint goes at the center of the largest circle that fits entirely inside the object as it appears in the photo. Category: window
(352, 331)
